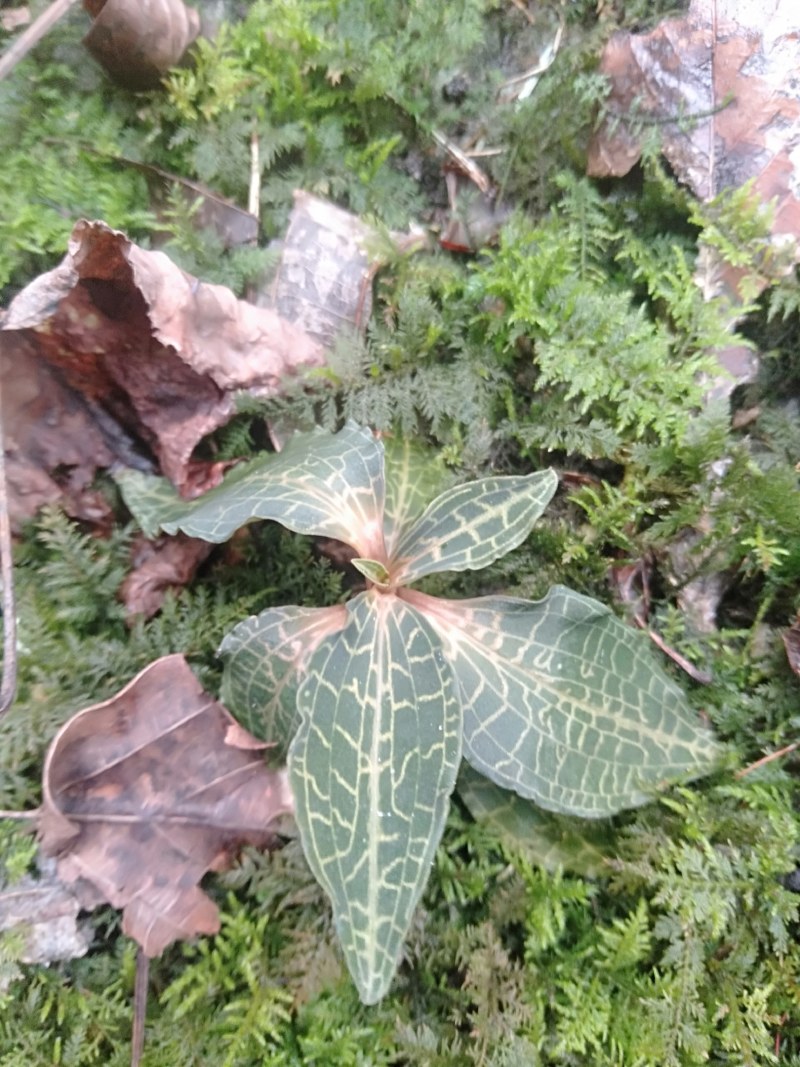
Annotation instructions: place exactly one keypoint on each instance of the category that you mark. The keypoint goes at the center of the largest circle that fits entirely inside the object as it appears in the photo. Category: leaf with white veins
(330, 485)
(372, 768)
(564, 703)
(472, 525)
(263, 657)
(413, 478)
(547, 839)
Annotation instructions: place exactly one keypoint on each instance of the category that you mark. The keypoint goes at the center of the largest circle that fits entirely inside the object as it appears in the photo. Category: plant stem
(8, 686)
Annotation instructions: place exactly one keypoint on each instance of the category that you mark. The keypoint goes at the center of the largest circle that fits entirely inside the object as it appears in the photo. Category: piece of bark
(45, 913)
(323, 283)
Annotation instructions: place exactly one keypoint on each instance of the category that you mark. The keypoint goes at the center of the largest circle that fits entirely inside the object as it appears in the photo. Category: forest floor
(519, 237)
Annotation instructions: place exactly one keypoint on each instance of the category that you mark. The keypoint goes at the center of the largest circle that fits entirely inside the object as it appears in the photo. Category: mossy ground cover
(579, 340)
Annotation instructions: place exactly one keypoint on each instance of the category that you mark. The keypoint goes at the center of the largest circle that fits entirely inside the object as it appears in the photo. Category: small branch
(21, 815)
(139, 1006)
(8, 687)
(697, 673)
(767, 759)
(254, 194)
(34, 33)
(465, 164)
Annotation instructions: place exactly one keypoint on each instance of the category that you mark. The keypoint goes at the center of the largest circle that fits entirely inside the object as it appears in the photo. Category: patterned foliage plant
(377, 700)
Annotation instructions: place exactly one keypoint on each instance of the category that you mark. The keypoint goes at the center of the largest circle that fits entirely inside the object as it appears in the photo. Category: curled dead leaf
(157, 354)
(137, 41)
(145, 792)
(53, 442)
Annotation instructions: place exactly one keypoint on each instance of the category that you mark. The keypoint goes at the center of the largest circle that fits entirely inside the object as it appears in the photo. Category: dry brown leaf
(53, 443)
(324, 279)
(721, 85)
(233, 225)
(158, 352)
(137, 41)
(166, 563)
(147, 791)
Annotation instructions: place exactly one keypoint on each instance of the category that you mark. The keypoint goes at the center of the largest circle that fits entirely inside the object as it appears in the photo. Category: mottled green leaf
(153, 500)
(263, 655)
(547, 839)
(472, 525)
(564, 703)
(413, 478)
(326, 484)
(372, 768)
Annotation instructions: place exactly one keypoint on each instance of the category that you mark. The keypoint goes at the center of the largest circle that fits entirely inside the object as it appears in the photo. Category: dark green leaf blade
(471, 525)
(565, 704)
(413, 478)
(372, 768)
(264, 656)
(547, 839)
(331, 485)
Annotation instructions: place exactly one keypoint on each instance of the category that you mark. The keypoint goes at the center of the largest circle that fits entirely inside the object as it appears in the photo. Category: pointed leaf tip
(372, 768)
(471, 525)
(565, 704)
(330, 485)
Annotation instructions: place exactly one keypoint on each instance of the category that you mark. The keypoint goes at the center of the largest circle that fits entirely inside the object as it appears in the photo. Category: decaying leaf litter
(119, 417)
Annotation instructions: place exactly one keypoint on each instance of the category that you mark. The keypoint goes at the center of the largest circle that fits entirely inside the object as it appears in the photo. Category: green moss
(578, 341)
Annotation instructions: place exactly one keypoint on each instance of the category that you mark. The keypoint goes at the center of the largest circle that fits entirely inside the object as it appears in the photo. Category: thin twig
(543, 65)
(524, 9)
(697, 673)
(34, 33)
(139, 1006)
(21, 815)
(470, 169)
(8, 687)
(254, 192)
(712, 140)
(767, 759)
